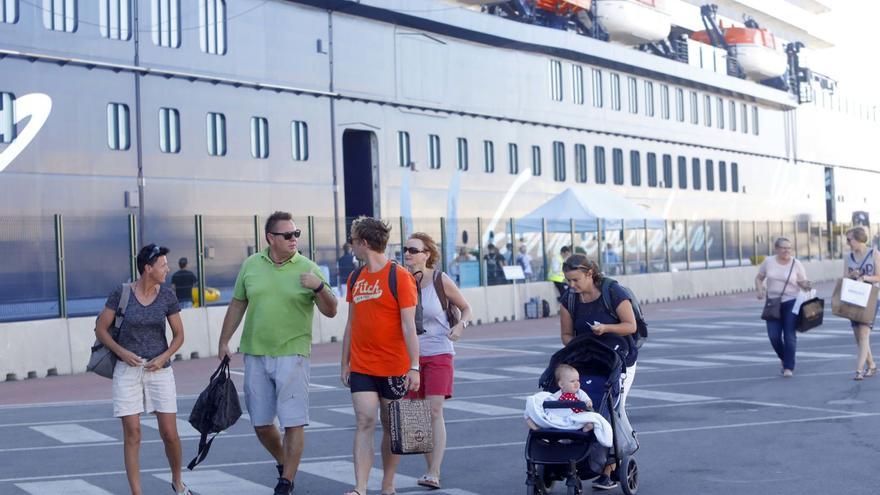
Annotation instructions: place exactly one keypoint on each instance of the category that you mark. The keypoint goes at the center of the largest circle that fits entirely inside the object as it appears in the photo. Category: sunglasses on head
(154, 253)
(288, 235)
(412, 250)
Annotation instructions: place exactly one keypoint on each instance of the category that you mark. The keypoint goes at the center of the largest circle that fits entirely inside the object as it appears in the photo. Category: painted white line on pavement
(311, 425)
(679, 362)
(693, 341)
(472, 375)
(745, 324)
(667, 396)
(701, 325)
(529, 370)
(662, 330)
(184, 429)
(344, 410)
(658, 345)
(321, 387)
(744, 359)
(495, 348)
(343, 472)
(740, 338)
(216, 482)
(65, 487)
(820, 355)
(72, 433)
(478, 408)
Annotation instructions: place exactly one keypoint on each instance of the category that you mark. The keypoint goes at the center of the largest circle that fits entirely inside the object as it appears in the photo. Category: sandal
(352, 492)
(871, 372)
(859, 376)
(429, 481)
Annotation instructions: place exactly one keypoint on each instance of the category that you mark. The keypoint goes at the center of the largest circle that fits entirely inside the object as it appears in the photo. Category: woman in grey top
(861, 265)
(435, 344)
(143, 381)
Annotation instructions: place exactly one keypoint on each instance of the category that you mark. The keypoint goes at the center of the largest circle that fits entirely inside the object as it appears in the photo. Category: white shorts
(277, 386)
(136, 391)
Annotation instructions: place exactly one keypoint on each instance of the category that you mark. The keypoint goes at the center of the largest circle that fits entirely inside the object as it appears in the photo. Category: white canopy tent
(586, 205)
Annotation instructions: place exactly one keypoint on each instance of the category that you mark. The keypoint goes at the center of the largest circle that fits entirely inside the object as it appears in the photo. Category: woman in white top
(785, 276)
(435, 344)
(861, 265)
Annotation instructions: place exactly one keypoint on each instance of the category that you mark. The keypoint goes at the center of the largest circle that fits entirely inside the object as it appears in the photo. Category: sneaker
(787, 373)
(284, 487)
(604, 482)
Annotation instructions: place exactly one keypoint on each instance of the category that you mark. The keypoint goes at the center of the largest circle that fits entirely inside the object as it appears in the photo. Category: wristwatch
(414, 368)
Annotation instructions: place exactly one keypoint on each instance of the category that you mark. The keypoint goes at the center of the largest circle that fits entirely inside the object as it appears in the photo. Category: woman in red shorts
(436, 343)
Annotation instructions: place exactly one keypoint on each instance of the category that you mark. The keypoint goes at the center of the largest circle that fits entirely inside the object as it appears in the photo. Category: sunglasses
(288, 235)
(412, 250)
(154, 253)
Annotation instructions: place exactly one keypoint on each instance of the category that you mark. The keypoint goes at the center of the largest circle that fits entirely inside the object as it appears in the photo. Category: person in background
(183, 282)
(525, 261)
(494, 263)
(861, 265)
(345, 265)
(556, 276)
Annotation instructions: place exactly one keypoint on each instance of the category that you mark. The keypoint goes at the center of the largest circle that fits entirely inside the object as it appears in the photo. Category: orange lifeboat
(563, 7)
(755, 49)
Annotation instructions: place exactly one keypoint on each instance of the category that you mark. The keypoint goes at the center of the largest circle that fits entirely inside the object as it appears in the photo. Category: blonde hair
(858, 233)
(430, 248)
(563, 368)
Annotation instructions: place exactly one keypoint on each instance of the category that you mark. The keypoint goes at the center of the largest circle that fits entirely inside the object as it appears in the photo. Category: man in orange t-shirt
(380, 349)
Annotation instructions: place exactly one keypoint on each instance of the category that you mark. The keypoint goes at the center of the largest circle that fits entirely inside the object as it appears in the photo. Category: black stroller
(555, 455)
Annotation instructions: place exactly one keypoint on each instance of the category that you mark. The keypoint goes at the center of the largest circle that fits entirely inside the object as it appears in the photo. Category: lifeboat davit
(563, 7)
(755, 49)
(634, 22)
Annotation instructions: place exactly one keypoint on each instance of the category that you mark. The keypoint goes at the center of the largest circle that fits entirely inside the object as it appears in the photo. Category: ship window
(695, 168)
(744, 116)
(664, 101)
(169, 130)
(635, 168)
(556, 80)
(166, 23)
(679, 104)
(580, 163)
(212, 26)
(719, 110)
(59, 15)
(558, 161)
(755, 120)
(536, 161)
(732, 115)
(649, 98)
(114, 19)
(259, 137)
(710, 175)
(652, 170)
(722, 176)
(9, 11)
(667, 171)
(404, 156)
(216, 134)
(633, 95)
(462, 154)
(617, 166)
(695, 107)
(597, 88)
(734, 177)
(707, 110)
(615, 91)
(599, 164)
(682, 172)
(7, 118)
(513, 158)
(434, 151)
(299, 142)
(489, 156)
(118, 135)
(577, 84)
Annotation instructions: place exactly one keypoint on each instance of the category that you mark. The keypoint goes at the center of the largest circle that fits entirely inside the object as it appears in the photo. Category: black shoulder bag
(773, 305)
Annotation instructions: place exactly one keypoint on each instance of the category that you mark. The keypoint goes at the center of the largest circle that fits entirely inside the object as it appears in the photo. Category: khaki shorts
(136, 391)
(277, 386)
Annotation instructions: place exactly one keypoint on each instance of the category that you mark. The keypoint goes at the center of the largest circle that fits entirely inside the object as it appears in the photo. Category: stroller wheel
(628, 474)
(545, 477)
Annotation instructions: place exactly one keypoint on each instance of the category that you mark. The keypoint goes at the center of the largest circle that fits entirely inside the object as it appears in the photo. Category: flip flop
(429, 481)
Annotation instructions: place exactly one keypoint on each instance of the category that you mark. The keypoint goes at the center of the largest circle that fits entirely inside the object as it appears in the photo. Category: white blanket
(549, 418)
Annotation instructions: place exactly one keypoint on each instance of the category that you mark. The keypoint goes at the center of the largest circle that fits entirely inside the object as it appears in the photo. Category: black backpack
(216, 409)
(570, 299)
(392, 284)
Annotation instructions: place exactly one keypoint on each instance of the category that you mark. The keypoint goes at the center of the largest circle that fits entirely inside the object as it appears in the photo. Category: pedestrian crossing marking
(317, 386)
(744, 359)
(679, 362)
(529, 370)
(343, 410)
(694, 341)
(550, 346)
(66, 487)
(72, 433)
(662, 330)
(821, 355)
(740, 338)
(184, 429)
(657, 345)
(471, 375)
(343, 472)
(476, 407)
(700, 325)
(667, 396)
(744, 324)
(311, 425)
(215, 482)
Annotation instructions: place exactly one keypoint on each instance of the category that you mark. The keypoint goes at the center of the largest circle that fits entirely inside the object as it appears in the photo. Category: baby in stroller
(561, 448)
(569, 383)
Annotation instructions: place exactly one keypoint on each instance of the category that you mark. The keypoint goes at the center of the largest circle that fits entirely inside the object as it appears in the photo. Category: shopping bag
(855, 292)
(802, 297)
(410, 425)
(852, 312)
(811, 314)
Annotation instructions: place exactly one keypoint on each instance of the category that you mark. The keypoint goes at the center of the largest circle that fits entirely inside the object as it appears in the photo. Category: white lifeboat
(755, 49)
(633, 22)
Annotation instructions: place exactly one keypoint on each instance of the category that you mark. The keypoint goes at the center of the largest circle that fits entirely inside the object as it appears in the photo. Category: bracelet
(319, 288)
(415, 369)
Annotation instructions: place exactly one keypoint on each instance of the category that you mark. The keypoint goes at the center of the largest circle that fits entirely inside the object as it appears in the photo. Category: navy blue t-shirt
(587, 313)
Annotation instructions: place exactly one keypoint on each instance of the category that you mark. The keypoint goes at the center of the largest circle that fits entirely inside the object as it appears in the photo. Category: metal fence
(66, 266)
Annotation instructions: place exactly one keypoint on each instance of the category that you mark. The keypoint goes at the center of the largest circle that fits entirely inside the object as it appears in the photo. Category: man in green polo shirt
(279, 288)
